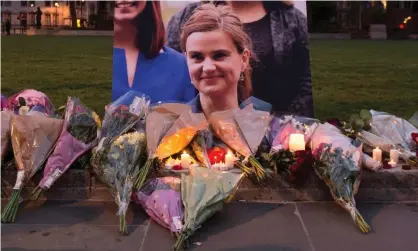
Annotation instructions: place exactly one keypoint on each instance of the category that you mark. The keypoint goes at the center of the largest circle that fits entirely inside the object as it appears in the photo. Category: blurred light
(31, 5)
(401, 26)
(405, 21)
(57, 4)
(409, 18)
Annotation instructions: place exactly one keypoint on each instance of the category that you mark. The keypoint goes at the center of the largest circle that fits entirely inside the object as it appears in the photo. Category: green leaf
(365, 115)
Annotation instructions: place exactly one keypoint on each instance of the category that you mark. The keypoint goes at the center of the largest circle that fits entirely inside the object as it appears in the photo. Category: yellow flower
(97, 119)
(115, 155)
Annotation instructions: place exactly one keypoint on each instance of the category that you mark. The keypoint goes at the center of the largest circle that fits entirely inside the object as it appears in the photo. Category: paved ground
(73, 225)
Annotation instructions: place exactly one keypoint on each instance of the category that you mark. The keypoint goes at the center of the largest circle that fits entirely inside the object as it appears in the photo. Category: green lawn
(347, 75)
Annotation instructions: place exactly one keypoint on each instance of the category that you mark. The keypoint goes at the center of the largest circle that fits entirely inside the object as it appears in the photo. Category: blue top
(164, 78)
(258, 104)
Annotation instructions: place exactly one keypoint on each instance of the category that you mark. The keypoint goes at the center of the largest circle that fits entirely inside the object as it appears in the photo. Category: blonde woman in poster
(281, 67)
(141, 62)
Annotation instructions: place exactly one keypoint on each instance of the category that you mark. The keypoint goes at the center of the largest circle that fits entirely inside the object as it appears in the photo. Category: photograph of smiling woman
(141, 62)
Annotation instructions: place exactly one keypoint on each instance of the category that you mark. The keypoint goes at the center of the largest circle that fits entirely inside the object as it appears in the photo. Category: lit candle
(392, 163)
(185, 160)
(297, 142)
(394, 155)
(377, 154)
(229, 160)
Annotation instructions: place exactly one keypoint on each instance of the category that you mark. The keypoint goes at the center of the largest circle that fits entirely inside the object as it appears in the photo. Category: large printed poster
(148, 58)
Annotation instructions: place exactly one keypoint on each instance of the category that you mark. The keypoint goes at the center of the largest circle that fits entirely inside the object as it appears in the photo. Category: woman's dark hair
(150, 30)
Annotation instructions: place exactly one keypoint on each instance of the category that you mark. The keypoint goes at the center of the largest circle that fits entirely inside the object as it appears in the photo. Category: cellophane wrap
(395, 131)
(328, 134)
(181, 134)
(6, 119)
(79, 135)
(33, 139)
(32, 98)
(161, 199)
(122, 115)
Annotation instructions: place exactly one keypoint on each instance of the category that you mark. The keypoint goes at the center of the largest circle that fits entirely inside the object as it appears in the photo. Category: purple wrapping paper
(161, 199)
(67, 150)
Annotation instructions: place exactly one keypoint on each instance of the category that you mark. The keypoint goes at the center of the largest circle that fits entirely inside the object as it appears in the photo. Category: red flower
(414, 136)
(216, 155)
(335, 122)
(177, 167)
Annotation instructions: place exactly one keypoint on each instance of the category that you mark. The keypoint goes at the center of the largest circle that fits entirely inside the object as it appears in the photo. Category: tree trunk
(73, 14)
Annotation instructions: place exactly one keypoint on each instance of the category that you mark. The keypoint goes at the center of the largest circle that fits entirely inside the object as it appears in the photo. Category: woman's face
(128, 10)
(214, 63)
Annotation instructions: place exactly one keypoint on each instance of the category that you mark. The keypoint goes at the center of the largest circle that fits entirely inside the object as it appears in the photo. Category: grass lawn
(347, 75)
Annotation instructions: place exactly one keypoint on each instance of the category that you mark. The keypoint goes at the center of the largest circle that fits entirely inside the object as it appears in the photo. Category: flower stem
(36, 193)
(142, 175)
(179, 245)
(258, 169)
(10, 211)
(122, 225)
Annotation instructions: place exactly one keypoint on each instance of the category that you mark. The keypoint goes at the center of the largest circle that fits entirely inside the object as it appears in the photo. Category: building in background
(58, 14)
(357, 16)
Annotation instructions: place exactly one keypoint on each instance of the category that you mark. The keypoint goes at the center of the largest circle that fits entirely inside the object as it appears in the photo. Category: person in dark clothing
(281, 69)
(38, 18)
(7, 26)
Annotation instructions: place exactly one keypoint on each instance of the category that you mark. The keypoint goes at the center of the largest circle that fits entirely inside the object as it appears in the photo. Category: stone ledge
(381, 186)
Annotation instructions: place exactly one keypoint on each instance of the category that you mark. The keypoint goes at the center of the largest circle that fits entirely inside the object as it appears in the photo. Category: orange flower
(176, 142)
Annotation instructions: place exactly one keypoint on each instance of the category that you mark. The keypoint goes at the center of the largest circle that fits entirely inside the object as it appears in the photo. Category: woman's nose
(208, 66)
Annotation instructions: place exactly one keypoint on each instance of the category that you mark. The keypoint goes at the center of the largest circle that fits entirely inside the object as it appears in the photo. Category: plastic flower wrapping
(243, 131)
(122, 115)
(338, 161)
(3, 102)
(33, 139)
(166, 130)
(6, 118)
(161, 199)
(388, 131)
(79, 135)
(27, 99)
(204, 192)
(118, 165)
(293, 163)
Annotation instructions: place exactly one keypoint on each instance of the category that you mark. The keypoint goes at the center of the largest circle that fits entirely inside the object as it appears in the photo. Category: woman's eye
(219, 56)
(197, 57)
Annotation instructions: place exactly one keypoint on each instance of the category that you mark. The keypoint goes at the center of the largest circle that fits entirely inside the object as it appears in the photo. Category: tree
(73, 14)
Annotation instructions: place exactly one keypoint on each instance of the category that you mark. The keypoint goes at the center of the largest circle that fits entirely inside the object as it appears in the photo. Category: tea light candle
(377, 154)
(392, 163)
(185, 160)
(297, 142)
(229, 160)
(394, 155)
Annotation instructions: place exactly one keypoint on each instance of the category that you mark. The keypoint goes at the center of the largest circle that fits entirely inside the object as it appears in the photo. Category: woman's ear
(245, 59)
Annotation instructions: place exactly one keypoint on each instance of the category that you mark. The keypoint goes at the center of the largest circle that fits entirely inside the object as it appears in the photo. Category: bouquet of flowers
(289, 154)
(122, 115)
(25, 100)
(398, 132)
(77, 137)
(337, 163)
(243, 131)
(204, 192)
(33, 139)
(117, 166)
(161, 199)
(157, 124)
(3, 102)
(6, 117)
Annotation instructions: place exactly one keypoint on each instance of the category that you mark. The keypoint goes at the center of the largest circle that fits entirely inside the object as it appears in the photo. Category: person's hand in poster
(141, 62)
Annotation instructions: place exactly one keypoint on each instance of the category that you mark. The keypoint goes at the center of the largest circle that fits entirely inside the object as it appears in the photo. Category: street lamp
(56, 12)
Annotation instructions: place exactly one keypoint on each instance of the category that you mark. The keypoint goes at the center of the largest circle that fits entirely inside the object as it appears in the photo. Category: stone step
(375, 186)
